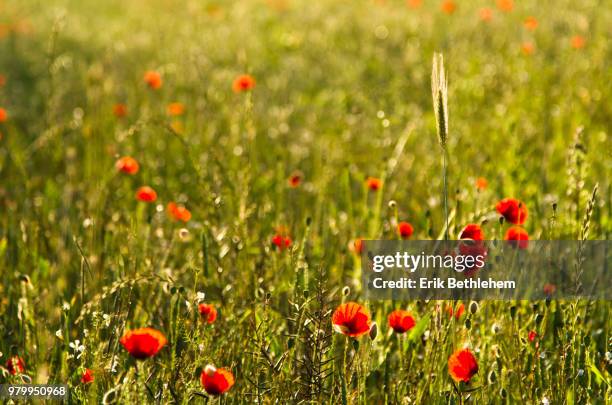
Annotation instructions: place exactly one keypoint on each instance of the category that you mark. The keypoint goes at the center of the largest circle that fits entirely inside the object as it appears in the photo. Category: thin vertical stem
(444, 175)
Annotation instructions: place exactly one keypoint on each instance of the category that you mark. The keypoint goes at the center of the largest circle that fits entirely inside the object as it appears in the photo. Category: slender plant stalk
(445, 191)
(439, 92)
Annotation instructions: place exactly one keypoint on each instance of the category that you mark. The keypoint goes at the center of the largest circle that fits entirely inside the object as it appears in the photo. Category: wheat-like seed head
(439, 92)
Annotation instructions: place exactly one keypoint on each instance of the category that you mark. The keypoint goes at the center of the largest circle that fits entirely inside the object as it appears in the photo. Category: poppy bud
(373, 331)
(539, 318)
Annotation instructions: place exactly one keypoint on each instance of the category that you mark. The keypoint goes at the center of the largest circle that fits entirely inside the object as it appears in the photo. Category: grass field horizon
(209, 169)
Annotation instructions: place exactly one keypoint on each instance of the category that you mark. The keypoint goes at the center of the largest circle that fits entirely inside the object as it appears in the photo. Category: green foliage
(342, 93)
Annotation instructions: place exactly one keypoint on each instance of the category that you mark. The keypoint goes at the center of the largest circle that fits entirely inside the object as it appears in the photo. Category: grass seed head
(439, 92)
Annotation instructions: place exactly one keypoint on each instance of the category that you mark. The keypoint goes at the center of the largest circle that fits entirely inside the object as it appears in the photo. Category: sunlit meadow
(185, 185)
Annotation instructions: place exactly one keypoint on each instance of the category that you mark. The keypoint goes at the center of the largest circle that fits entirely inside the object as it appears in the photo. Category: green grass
(343, 92)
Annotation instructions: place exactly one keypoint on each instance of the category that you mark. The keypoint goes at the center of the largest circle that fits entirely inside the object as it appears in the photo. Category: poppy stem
(445, 180)
(344, 371)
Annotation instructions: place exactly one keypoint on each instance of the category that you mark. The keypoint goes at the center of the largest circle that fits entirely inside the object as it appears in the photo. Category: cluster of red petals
(15, 365)
(457, 312)
(176, 109)
(448, 6)
(505, 5)
(528, 48)
(473, 248)
(481, 183)
(178, 212)
(530, 23)
(153, 79)
(518, 237)
(373, 183)
(243, 83)
(120, 110)
(143, 343)
(462, 365)
(472, 231)
(3, 115)
(358, 245)
(127, 165)
(549, 289)
(513, 210)
(281, 242)
(146, 194)
(414, 3)
(216, 381)
(351, 319)
(405, 230)
(486, 14)
(295, 179)
(532, 335)
(401, 321)
(208, 313)
(87, 376)
(578, 42)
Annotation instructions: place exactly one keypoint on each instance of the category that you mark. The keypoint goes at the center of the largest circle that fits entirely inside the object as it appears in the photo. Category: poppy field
(186, 188)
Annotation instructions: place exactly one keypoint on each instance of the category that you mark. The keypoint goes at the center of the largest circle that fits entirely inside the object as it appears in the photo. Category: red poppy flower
(518, 237)
(531, 23)
(120, 110)
(87, 377)
(532, 335)
(3, 115)
(373, 183)
(15, 365)
(462, 365)
(351, 319)
(528, 48)
(401, 321)
(414, 3)
(295, 179)
(486, 14)
(128, 165)
(458, 312)
(472, 231)
(448, 6)
(207, 312)
(578, 42)
(471, 250)
(549, 289)
(216, 381)
(146, 194)
(153, 79)
(481, 183)
(2, 80)
(358, 245)
(143, 342)
(243, 83)
(178, 212)
(505, 5)
(405, 230)
(281, 242)
(513, 210)
(176, 109)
